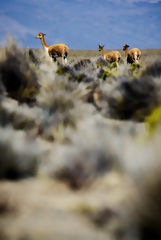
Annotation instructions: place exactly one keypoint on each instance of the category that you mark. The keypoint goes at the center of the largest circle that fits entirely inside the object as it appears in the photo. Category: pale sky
(83, 24)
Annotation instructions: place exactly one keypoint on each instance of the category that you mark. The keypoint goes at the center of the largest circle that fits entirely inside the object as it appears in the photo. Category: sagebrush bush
(16, 74)
(18, 155)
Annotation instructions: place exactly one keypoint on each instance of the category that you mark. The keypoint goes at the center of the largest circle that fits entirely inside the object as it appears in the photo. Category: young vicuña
(113, 56)
(133, 55)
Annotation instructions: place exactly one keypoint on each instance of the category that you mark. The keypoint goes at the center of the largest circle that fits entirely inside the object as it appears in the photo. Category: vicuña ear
(44, 34)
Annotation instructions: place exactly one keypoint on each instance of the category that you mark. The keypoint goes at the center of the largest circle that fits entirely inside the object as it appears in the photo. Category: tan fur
(113, 56)
(116, 56)
(134, 53)
(61, 48)
(55, 50)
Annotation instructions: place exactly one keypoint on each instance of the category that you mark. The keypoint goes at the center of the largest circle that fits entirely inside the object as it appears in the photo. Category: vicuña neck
(43, 42)
(126, 51)
(103, 52)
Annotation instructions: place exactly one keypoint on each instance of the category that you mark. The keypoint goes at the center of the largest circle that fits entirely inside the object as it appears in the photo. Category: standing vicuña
(113, 56)
(55, 50)
(133, 55)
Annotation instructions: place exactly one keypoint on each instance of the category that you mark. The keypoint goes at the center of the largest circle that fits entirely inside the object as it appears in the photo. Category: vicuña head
(40, 35)
(101, 47)
(55, 50)
(125, 47)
